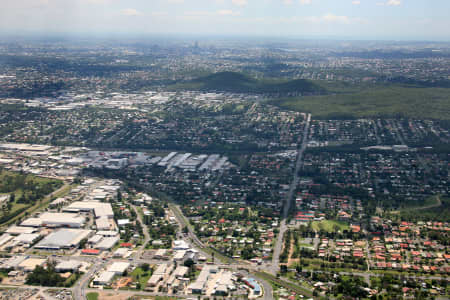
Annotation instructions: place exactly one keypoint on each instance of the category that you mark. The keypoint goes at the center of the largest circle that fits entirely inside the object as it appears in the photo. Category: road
(437, 204)
(144, 229)
(184, 223)
(79, 290)
(289, 199)
(367, 275)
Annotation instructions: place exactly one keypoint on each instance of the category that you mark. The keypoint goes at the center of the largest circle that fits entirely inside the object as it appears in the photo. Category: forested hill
(239, 83)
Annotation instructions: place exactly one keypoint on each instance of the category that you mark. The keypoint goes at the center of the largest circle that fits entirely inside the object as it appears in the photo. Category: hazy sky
(369, 19)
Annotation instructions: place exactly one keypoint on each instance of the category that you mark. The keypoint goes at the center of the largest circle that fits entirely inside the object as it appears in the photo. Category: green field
(392, 101)
(329, 225)
(92, 296)
(139, 274)
(240, 83)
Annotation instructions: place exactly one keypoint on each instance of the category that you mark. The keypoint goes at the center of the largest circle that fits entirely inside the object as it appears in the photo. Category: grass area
(413, 205)
(92, 296)
(140, 275)
(64, 190)
(25, 193)
(290, 286)
(383, 101)
(329, 225)
(241, 83)
(428, 211)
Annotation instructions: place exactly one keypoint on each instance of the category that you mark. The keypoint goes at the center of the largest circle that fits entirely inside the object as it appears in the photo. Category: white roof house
(68, 265)
(121, 252)
(104, 278)
(180, 245)
(107, 243)
(118, 267)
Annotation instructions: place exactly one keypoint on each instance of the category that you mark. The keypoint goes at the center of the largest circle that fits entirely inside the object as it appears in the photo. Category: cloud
(205, 13)
(394, 2)
(356, 2)
(175, 1)
(305, 2)
(390, 3)
(288, 2)
(159, 13)
(99, 2)
(332, 18)
(239, 2)
(131, 12)
(228, 12)
(198, 13)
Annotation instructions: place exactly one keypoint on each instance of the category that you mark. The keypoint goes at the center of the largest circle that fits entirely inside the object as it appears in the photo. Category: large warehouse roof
(55, 219)
(101, 209)
(16, 230)
(63, 238)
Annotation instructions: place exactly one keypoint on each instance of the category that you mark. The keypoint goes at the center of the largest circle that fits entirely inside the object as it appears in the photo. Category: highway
(289, 199)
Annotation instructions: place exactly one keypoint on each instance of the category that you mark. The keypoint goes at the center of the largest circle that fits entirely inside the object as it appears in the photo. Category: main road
(289, 199)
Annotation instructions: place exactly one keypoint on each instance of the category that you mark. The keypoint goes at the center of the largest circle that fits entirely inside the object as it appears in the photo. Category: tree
(145, 267)
(83, 243)
(189, 263)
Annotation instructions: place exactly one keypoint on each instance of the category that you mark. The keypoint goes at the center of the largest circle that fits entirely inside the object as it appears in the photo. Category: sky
(348, 19)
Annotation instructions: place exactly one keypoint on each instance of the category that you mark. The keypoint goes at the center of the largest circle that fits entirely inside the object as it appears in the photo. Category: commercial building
(200, 285)
(26, 238)
(5, 238)
(253, 284)
(13, 262)
(103, 223)
(161, 272)
(30, 264)
(16, 230)
(107, 233)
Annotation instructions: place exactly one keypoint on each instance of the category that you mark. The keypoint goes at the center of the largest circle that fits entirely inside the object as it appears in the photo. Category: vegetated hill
(239, 83)
(381, 101)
